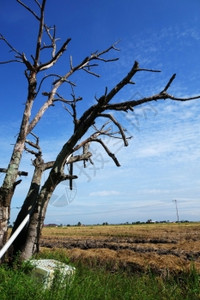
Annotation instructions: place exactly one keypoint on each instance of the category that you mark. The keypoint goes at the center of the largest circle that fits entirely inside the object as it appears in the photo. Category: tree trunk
(25, 244)
(4, 217)
(7, 191)
(28, 241)
(8, 187)
(31, 239)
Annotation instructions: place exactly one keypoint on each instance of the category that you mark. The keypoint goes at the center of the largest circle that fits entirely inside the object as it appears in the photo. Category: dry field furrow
(161, 247)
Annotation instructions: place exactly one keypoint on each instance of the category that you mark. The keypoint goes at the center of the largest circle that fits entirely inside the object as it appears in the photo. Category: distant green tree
(105, 223)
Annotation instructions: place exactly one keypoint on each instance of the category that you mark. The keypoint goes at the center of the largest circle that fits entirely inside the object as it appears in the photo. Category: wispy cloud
(104, 193)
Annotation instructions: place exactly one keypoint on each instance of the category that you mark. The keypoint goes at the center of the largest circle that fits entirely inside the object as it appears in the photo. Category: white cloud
(104, 193)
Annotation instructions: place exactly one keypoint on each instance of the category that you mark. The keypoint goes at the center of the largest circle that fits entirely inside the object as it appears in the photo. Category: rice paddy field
(113, 262)
(164, 249)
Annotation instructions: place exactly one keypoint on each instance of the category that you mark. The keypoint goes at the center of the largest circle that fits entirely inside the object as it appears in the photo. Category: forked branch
(109, 116)
(128, 105)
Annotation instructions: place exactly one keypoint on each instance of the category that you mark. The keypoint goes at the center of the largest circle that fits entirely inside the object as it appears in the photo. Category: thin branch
(91, 73)
(169, 83)
(125, 106)
(73, 106)
(40, 33)
(30, 151)
(50, 63)
(61, 80)
(106, 60)
(34, 145)
(93, 138)
(10, 61)
(71, 174)
(149, 70)
(73, 159)
(29, 9)
(20, 173)
(112, 155)
(71, 62)
(108, 49)
(37, 2)
(16, 183)
(101, 130)
(62, 99)
(105, 99)
(67, 177)
(181, 99)
(81, 157)
(67, 109)
(44, 78)
(87, 141)
(118, 125)
(30, 143)
(52, 39)
(9, 45)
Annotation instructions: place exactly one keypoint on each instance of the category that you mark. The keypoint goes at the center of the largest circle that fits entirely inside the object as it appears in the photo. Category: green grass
(98, 284)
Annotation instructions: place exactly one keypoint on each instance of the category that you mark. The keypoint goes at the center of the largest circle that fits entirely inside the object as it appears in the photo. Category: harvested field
(162, 248)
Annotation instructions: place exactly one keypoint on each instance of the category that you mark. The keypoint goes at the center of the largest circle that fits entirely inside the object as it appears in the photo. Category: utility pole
(177, 215)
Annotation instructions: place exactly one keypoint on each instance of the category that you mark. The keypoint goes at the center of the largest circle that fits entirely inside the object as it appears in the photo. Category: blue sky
(162, 161)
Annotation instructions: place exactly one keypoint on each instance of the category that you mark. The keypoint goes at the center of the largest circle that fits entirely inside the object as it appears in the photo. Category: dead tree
(27, 241)
(38, 196)
(33, 69)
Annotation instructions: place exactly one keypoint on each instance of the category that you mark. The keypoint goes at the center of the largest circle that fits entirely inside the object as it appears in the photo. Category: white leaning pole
(13, 237)
(19, 229)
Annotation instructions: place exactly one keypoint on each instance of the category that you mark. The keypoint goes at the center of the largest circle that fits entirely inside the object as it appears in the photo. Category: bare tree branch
(40, 33)
(37, 2)
(50, 63)
(30, 151)
(71, 62)
(60, 81)
(44, 78)
(118, 125)
(9, 45)
(168, 84)
(73, 159)
(33, 145)
(112, 155)
(93, 138)
(128, 105)
(81, 157)
(20, 173)
(29, 9)
(10, 61)
(52, 38)
(149, 70)
(67, 177)
(105, 99)
(90, 72)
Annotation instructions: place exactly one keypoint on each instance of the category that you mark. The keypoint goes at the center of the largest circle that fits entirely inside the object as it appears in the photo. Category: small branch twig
(168, 84)
(118, 125)
(112, 155)
(128, 105)
(20, 173)
(50, 63)
(29, 9)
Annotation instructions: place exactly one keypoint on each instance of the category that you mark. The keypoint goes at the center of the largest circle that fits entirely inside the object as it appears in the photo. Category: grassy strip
(90, 284)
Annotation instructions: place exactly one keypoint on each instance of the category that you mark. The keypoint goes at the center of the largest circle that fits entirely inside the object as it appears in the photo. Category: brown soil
(169, 248)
